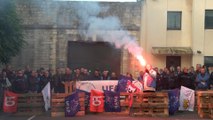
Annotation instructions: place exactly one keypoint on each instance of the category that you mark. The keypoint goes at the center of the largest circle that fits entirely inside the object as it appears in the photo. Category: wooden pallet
(30, 104)
(150, 104)
(205, 103)
(58, 104)
(211, 106)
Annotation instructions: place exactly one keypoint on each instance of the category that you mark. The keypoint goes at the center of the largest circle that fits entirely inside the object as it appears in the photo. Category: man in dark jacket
(96, 75)
(20, 85)
(187, 79)
(33, 82)
(78, 75)
(58, 82)
(44, 80)
(68, 75)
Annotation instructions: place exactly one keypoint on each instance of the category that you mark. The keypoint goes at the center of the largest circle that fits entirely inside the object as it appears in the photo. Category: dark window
(209, 19)
(208, 61)
(173, 20)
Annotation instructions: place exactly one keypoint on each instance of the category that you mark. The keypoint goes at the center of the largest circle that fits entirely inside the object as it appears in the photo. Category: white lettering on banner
(95, 100)
(101, 85)
(109, 87)
(9, 101)
(116, 102)
(67, 106)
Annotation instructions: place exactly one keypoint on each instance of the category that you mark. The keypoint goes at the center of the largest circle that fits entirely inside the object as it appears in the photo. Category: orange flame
(141, 60)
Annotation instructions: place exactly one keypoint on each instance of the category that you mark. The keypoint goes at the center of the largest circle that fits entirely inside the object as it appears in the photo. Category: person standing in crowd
(8, 71)
(113, 76)
(20, 85)
(4, 85)
(129, 76)
(27, 71)
(198, 68)
(58, 83)
(192, 73)
(187, 79)
(149, 79)
(77, 76)
(68, 75)
(158, 80)
(202, 80)
(51, 72)
(164, 79)
(140, 77)
(41, 72)
(172, 78)
(105, 75)
(178, 73)
(44, 80)
(33, 82)
(96, 75)
(211, 80)
(86, 75)
(4, 81)
(82, 71)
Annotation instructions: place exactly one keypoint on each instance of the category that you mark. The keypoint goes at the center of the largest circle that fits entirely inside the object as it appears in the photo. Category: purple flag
(72, 105)
(112, 101)
(122, 83)
(87, 98)
(173, 100)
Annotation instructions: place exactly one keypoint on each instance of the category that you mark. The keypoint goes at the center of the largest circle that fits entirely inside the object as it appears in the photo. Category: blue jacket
(202, 81)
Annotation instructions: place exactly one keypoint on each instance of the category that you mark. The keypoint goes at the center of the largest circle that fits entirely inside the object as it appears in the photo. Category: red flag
(96, 101)
(131, 88)
(10, 102)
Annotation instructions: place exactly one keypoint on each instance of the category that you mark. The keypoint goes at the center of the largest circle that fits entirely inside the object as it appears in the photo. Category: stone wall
(49, 25)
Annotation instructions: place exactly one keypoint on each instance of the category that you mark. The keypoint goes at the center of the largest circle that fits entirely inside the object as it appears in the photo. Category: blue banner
(72, 105)
(87, 98)
(112, 101)
(173, 100)
(122, 84)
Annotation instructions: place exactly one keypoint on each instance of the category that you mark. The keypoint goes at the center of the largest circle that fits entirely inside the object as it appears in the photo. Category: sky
(103, 0)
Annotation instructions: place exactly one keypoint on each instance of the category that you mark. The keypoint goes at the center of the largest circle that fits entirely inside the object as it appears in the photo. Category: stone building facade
(49, 25)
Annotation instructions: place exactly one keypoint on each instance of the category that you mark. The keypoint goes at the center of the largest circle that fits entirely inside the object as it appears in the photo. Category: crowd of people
(24, 81)
(200, 78)
(27, 80)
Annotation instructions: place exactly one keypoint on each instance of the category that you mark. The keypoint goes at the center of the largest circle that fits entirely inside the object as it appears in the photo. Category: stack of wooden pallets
(150, 104)
(205, 104)
(30, 104)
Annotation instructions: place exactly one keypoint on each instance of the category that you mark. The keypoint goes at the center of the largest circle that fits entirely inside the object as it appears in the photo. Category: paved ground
(177, 116)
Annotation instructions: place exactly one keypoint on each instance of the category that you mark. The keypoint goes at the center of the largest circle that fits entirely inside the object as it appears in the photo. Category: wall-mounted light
(199, 52)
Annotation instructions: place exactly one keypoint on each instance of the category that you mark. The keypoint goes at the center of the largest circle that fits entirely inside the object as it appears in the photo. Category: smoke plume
(109, 28)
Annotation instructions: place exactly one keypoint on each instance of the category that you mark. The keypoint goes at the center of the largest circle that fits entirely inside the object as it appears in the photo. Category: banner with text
(109, 85)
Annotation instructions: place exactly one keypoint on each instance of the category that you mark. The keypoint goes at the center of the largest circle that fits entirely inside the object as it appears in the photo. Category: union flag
(96, 101)
(10, 102)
